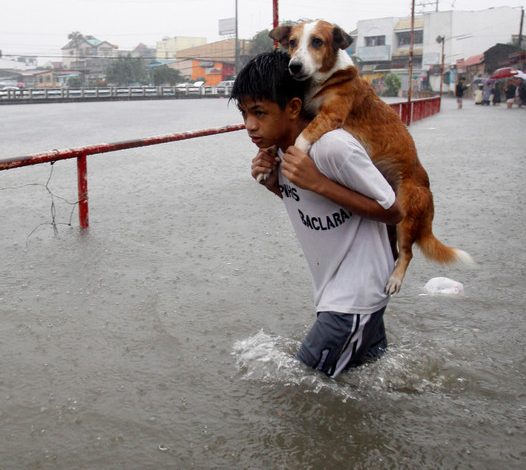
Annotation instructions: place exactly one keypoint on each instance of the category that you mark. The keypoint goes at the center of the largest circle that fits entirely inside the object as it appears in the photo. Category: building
(10, 72)
(88, 55)
(383, 44)
(144, 52)
(141, 51)
(168, 47)
(213, 62)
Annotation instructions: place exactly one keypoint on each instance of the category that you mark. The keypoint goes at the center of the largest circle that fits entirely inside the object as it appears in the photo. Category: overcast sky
(40, 27)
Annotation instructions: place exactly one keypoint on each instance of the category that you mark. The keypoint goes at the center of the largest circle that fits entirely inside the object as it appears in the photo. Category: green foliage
(165, 75)
(261, 42)
(74, 82)
(126, 71)
(392, 84)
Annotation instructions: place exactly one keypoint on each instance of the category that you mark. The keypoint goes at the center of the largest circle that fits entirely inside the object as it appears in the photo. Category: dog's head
(314, 47)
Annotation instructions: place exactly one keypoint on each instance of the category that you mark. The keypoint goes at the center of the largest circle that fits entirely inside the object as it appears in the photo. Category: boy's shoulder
(337, 141)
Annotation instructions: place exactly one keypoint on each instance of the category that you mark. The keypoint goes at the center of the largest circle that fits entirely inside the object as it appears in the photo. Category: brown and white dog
(338, 97)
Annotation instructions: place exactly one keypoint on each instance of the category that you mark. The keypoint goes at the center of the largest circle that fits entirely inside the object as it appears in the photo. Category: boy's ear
(294, 107)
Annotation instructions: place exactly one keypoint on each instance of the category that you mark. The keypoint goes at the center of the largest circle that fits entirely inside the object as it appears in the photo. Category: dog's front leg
(332, 115)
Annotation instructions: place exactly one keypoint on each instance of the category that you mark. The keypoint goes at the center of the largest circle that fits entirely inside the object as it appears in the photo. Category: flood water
(164, 336)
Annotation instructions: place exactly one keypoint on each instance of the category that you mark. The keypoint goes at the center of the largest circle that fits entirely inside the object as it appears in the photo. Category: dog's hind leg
(417, 205)
(405, 234)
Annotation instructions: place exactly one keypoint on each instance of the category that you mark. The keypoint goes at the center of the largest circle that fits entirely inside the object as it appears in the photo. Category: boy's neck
(295, 131)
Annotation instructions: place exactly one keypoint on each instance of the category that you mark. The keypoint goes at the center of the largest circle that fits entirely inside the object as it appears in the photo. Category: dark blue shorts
(339, 341)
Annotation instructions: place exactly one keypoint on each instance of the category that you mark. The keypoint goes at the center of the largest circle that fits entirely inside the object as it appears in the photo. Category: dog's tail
(435, 250)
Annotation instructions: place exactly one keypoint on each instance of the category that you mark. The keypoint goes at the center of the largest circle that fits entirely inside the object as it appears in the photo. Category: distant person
(496, 94)
(486, 93)
(479, 95)
(459, 91)
(509, 92)
(522, 93)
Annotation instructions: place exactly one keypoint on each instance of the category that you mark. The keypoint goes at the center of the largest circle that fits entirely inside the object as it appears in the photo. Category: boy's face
(266, 122)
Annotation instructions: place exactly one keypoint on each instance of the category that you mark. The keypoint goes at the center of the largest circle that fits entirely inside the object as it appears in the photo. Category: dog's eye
(316, 43)
(292, 43)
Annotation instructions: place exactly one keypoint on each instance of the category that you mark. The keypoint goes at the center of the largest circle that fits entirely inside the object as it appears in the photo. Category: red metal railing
(417, 110)
(82, 153)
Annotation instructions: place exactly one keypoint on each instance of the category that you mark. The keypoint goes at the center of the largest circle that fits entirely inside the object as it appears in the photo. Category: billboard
(227, 26)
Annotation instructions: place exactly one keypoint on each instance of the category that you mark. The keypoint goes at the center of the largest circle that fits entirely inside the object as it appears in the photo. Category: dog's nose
(295, 67)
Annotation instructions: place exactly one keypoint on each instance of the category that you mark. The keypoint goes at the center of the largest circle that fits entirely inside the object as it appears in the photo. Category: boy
(338, 203)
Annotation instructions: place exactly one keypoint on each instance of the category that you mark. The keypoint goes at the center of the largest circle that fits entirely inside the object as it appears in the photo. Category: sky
(37, 27)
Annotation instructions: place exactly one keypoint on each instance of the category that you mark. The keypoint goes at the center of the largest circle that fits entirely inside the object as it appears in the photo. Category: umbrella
(507, 72)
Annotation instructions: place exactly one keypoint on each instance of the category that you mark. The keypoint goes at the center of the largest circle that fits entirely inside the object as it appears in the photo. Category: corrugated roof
(474, 60)
(223, 51)
(7, 64)
(93, 41)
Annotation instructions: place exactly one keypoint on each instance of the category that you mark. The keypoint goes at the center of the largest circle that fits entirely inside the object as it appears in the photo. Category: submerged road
(164, 336)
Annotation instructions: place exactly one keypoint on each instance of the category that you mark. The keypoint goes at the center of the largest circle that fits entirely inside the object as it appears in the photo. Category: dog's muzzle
(296, 68)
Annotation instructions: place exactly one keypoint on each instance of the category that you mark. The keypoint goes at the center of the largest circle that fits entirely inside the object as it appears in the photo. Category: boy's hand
(265, 163)
(300, 169)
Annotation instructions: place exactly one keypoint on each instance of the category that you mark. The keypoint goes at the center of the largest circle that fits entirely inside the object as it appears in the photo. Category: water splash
(404, 370)
(271, 359)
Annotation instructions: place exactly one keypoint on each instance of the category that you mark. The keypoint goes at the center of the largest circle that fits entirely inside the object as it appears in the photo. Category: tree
(75, 36)
(166, 75)
(74, 82)
(261, 42)
(127, 71)
(392, 84)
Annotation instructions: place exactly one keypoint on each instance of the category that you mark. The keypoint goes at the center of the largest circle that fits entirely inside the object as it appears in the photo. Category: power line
(77, 59)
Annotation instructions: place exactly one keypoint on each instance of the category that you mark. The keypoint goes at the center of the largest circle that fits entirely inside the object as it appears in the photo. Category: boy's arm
(301, 170)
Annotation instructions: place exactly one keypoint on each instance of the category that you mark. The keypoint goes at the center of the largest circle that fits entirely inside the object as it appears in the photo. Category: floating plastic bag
(443, 285)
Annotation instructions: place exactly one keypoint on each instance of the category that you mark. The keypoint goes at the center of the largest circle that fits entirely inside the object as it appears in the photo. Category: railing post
(82, 183)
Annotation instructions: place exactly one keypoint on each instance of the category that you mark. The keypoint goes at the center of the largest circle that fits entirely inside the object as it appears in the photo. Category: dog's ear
(281, 34)
(341, 39)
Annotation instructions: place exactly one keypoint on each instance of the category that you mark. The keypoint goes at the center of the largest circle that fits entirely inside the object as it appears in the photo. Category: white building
(82, 49)
(168, 47)
(382, 43)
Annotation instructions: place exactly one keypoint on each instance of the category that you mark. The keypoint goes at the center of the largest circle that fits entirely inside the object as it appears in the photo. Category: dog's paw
(393, 286)
(302, 144)
(262, 177)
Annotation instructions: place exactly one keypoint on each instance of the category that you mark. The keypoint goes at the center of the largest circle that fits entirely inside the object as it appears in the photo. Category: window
(404, 38)
(371, 41)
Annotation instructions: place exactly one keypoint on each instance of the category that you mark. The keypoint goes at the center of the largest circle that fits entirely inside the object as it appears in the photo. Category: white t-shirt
(349, 256)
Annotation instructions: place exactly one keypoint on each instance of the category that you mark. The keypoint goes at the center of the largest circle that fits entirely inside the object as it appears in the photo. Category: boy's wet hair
(267, 77)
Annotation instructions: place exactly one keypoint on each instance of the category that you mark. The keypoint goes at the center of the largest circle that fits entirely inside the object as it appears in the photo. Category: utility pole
(236, 64)
(424, 4)
(520, 28)
(520, 65)
(410, 73)
(275, 19)
(441, 40)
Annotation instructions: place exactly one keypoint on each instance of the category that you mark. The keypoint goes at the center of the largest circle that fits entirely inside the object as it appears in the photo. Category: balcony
(374, 53)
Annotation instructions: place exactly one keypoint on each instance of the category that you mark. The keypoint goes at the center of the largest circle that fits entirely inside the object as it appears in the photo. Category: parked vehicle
(225, 87)
(10, 90)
